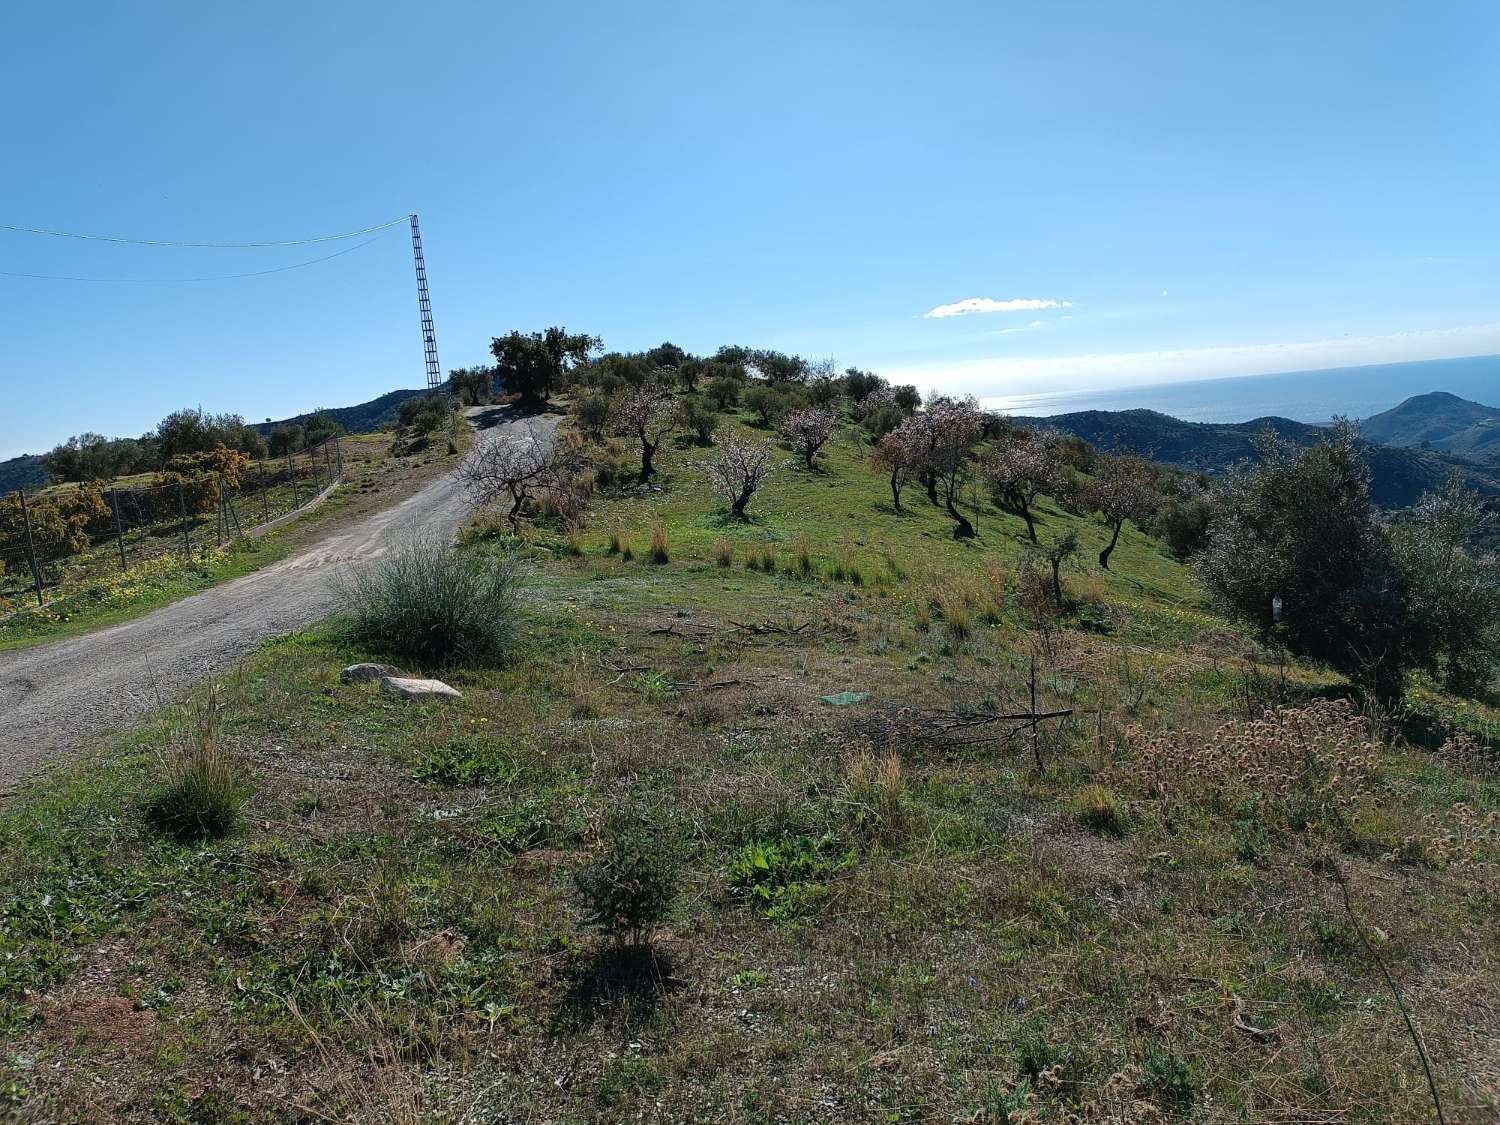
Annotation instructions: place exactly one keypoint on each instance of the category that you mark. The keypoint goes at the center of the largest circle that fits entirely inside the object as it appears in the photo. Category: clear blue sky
(1212, 188)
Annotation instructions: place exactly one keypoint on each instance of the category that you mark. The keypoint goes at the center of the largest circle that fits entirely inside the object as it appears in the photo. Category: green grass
(869, 925)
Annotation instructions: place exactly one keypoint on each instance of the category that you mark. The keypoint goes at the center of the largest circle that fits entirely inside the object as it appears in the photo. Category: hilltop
(1399, 476)
(1438, 420)
(25, 471)
(362, 418)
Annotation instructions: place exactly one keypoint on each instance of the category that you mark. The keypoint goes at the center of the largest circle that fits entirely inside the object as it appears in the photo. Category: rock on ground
(402, 687)
(367, 673)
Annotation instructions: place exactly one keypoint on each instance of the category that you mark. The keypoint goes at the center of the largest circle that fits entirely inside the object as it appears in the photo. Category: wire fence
(57, 538)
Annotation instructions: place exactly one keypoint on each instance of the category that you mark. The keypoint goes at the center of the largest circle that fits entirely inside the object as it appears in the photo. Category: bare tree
(1123, 488)
(808, 431)
(737, 470)
(519, 468)
(645, 414)
(1021, 470)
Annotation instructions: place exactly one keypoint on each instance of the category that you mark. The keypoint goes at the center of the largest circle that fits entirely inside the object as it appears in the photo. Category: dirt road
(56, 696)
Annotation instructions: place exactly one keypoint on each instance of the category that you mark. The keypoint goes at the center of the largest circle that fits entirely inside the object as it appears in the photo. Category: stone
(402, 687)
(367, 673)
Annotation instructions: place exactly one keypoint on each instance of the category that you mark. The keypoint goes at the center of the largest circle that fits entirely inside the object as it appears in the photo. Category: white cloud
(1013, 375)
(990, 305)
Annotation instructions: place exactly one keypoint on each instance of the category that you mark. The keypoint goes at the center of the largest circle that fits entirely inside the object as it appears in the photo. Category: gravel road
(55, 697)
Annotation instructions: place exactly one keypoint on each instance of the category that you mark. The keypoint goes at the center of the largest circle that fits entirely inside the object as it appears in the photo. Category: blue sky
(1212, 189)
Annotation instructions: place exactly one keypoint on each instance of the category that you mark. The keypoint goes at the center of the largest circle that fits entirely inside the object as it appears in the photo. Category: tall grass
(432, 606)
(659, 553)
(202, 788)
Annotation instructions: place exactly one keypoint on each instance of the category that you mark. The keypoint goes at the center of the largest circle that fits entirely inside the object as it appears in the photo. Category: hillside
(888, 903)
(24, 471)
(1398, 476)
(362, 418)
(1438, 421)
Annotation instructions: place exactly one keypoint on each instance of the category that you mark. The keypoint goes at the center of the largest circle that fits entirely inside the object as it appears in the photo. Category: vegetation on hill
(1438, 421)
(1398, 477)
(816, 807)
(26, 471)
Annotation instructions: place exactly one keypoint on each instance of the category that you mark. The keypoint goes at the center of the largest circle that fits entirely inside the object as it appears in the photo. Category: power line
(186, 280)
(205, 245)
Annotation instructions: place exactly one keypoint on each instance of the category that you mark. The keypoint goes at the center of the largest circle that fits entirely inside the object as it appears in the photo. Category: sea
(1303, 396)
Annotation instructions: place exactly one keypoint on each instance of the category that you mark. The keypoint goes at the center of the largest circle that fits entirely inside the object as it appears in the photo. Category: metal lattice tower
(424, 303)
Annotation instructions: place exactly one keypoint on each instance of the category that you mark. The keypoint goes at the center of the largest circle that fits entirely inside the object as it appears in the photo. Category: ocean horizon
(1303, 396)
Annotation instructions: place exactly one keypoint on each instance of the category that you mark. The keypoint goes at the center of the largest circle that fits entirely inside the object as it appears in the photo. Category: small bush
(659, 553)
(427, 604)
(629, 887)
(202, 792)
(723, 553)
(1099, 810)
(468, 761)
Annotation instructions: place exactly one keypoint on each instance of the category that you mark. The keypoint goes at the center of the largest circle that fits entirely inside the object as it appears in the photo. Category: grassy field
(95, 593)
(884, 915)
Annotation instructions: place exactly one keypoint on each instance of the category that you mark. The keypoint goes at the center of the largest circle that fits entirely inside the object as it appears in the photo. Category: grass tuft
(202, 792)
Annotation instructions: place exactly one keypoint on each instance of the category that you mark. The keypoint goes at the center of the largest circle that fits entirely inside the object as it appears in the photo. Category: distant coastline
(1303, 396)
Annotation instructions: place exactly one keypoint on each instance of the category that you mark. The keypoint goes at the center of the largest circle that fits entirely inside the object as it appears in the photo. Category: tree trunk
(738, 508)
(929, 478)
(648, 452)
(1057, 584)
(965, 529)
(1113, 539)
(895, 493)
(517, 499)
(1025, 510)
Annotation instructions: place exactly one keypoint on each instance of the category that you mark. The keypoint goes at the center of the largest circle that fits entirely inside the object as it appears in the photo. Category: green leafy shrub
(428, 604)
(628, 888)
(1170, 1078)
(786, 878)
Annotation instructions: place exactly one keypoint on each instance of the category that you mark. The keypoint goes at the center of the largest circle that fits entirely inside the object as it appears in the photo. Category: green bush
(433, 606)
(629, 887)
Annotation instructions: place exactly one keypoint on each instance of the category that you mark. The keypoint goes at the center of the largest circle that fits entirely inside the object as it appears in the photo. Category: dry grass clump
(1099, 810)
(1306, 766)
(875, 789)
(805, 568)
(953, 604)
(723, 553)
(659, 552)
(203, 788)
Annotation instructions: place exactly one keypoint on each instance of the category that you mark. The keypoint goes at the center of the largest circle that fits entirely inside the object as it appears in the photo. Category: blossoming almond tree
(737, 470)
(808, 431)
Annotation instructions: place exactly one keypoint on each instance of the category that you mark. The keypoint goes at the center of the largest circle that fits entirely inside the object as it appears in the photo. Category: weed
(786, 878)
(876, 794)
(659, 553)
(1170, 1078)
(805, 568)
(723, 553)
(468, 760)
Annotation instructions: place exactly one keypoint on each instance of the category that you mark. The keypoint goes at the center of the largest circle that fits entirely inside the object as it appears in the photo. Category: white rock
(402, 687)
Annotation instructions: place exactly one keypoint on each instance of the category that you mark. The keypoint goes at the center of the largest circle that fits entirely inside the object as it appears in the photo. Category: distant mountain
(1438, 421)
(22, 472)
(365, 418)
(1399, 477)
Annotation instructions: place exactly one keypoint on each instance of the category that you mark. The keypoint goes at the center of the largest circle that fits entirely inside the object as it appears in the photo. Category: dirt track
(56, 696)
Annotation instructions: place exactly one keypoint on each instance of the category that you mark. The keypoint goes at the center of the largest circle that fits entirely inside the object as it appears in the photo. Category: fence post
(187, 539)
(114, 504)
(291, 476)
(312, 460)
(219, 522)
(338, 451)
(265, 499)
(36, 571)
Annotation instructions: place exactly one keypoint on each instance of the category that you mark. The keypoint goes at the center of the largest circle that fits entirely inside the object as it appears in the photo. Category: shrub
(699, 418)
(659, 553)
(202, 792)
(1099, 810)
(426, 603)
(723, 553)
(628, 888)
